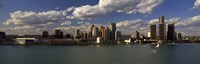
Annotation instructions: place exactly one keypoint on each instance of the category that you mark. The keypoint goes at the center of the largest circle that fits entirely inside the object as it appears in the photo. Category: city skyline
(33, 17)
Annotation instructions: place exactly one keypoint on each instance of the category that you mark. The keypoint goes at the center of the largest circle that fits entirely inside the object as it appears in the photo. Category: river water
(101, 54)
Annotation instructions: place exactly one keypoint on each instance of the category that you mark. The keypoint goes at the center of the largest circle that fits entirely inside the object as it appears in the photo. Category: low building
(24, 41)
(99, 40)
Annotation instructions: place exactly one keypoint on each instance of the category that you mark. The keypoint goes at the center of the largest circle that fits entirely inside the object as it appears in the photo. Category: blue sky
(183, 10)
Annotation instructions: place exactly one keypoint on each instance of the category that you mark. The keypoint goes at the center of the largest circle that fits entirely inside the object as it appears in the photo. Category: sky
(34, 16)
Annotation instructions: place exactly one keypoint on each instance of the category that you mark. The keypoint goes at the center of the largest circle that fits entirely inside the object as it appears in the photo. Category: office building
(95, 32)
(106, 34)
(171, 32)
(77, 33)
(2, 35)
(90, 31)
(179, 36)
(102, 31)
(58, 34)
(85, 36)
(45, 34)
(137, 35)
(118, 35)
(162, 29)
(153, 34)
(113, 29)
(161, 32)
(161, 20)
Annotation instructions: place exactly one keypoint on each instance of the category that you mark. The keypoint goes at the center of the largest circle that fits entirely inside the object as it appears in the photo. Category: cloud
(26, 18)
(192, 21)
(107, 6)
(171, 20)
(128, 26)
(197, 4)
(129, 23)
(66, 23)
(33, 21)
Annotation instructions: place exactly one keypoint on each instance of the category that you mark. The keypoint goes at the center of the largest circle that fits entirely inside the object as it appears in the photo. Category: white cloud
(171, 20)
(129, 23)
(66, 23)
(88, 11)
(24, 18)
(107, 6)
(197, 4)
(192, 21)
(154, 21)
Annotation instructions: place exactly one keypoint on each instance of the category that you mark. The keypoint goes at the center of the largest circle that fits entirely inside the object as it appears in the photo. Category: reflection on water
(102, 54)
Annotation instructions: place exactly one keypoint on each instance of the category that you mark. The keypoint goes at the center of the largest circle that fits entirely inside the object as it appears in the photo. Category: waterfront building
(171, 32)
(106, 34)
(136, 35)
(85, 36)
(2, 35)
(58, 34)
(23, 41)
(102, 31)
(99, 40)
(95, 32)
(90, 31)
(118, 35)
(77, 33)
(162, 29)
(113, 29)
(153, 33)
(149, 34)
(45, 34)
(68, 36)
(161, 19)
(179, 36)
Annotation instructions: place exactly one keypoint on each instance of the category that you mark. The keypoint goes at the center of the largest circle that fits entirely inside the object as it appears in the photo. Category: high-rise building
(153, 34)
(102, 31)
(137, 35)
(179, 36)
(45, 34)
(118, 35)
(77, 33)
(68, 36)
(90, 31)
(106, 34)
(161, 33)
(85, 36)
(58, 34)
(162, 29)
(161, 20)
(95, 32)
(2, 35)
(171, 32)
(113, 29)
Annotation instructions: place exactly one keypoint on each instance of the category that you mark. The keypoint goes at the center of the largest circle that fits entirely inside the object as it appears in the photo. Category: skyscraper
(95, 32)
(161, 20)
(2, 35)
(137, 35)
(77, 32)
(117, 35)
(102, 31)
(113, 29)
(161, 33)
(153, 34)
(90, 31)
(106, 34)
(45, 34)
(179, 36)
(171, 32)
(162, 29)
(58, 34)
